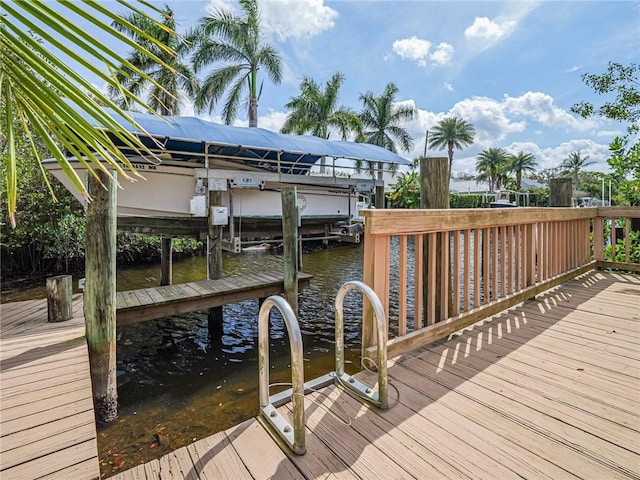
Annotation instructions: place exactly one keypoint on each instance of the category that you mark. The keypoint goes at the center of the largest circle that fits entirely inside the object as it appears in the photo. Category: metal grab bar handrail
(294, 438)
(379, 398)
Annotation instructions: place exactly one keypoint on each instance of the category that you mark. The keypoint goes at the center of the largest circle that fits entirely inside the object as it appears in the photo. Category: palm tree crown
(452, 133)
(234, 44)
(382, 119)
(173, 76)
(314, 111)
(573, 164)
(491, 165)
(520, 163)
(382, 122)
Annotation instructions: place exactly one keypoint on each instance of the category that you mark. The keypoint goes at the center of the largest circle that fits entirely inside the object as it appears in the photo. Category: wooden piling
(289, 197)
(214, 263)
(166, 261)
(560, 192)
(59, 298)
(434, 194)
(100, 294)
(379, 195)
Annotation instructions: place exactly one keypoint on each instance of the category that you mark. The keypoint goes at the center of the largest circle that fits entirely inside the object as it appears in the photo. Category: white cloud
(489, 119)
(552, 157)
(418, 50)
(448, 86)
(609, 133)
(486, 33)
(443, 54)
(575, 68)
(541, 107)
(413, 48)
(287, 19)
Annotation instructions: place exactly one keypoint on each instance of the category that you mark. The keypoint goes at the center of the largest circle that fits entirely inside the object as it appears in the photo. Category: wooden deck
(149, 303)
(549, 389)
(47, 424)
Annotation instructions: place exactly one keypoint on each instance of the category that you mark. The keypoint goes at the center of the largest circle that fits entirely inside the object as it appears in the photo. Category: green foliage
(452, 133)
(634, 248)
(622, 81)
(521, 163)
(573, 165)
(164, 95)
(233, 45)
(493, 165)
(465, 200)
(405, 192)
(538, 197)
(38, 87)
(314, 111)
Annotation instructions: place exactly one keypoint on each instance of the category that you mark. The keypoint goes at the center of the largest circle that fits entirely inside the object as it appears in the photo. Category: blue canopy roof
(188, 137)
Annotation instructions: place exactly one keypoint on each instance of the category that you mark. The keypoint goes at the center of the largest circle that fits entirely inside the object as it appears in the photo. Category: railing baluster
(503, 261)
(444, 276)
(613, 238)
(431, 279)
(476, 267)
(516, 257)
(402, 286)
(494, 263)
(455, 285)
(467, 270)
(627, 238)
(419, 282)
(486, 263)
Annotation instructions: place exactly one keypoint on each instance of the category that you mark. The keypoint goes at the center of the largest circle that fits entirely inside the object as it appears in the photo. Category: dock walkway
(149, 303)
(549, 389)
(47, 424)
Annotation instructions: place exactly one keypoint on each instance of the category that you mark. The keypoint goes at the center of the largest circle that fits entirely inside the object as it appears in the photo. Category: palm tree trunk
(450, 145)
(253, 112)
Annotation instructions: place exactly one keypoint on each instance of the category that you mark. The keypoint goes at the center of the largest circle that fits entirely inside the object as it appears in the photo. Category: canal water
(177, 386)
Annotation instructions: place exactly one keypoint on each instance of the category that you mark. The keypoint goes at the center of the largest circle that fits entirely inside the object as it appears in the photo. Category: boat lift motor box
(219, 216)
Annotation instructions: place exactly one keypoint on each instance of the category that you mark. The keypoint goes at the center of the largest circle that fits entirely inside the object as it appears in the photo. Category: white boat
(248, 166)
(503, 199)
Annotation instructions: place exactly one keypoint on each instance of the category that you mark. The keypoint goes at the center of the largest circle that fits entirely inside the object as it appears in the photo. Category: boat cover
(187, 138)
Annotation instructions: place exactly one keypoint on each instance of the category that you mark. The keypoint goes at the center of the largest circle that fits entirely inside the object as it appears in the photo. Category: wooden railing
(442, 270)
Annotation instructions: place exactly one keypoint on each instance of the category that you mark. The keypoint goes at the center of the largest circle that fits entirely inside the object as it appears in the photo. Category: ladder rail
(380, 396)
(294, 437)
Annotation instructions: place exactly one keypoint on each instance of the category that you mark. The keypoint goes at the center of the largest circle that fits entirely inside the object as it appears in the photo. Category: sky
(511, 69)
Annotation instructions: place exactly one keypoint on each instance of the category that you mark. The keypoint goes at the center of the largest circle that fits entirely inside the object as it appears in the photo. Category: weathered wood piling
(100, 293)
(59, 298)
(290, 253)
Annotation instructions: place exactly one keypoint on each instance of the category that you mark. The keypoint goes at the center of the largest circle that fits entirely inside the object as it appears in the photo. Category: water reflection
(177, 385)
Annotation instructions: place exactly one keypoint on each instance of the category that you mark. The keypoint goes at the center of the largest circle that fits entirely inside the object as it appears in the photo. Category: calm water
(177, 386)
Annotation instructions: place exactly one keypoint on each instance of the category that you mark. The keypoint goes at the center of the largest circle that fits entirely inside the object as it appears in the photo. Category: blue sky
(512, 69)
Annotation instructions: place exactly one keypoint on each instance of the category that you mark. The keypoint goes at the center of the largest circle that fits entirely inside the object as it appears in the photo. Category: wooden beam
(59, 298)
(100, 293)
(412, 222)
(560, 192)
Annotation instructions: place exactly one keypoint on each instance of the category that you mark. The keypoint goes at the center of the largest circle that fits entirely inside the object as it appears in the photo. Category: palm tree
(491, 164)
(520, 163)
(38, 87)
(573, 164)
(314, 111)
(170, 78)
(382, 121)
(452, 133)
(234, 44)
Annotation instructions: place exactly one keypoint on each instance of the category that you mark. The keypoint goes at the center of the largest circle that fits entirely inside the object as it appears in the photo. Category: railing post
(598, 238)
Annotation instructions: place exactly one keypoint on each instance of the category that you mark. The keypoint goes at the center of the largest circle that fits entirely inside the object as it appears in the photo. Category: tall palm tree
(38, 86)
(235, 46)
(573, 165)
(382, 121)
(452, 133)
(521, 163)
(170, 78)
(315, 110)
(491, 165)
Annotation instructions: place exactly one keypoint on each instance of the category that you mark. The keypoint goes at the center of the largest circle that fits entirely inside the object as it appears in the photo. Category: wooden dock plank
(259, 453)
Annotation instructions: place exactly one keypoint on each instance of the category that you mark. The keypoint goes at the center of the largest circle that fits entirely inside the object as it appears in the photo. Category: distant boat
(503, 199)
